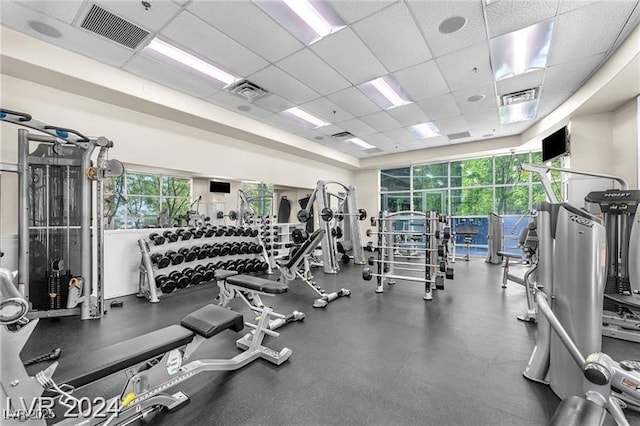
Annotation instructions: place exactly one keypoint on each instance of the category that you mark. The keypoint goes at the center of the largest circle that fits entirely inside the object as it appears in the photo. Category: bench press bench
(297, 266)
(250, 289)
(155, 363)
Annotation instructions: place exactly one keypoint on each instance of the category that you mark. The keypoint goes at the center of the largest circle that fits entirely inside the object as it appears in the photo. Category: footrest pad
(211, 320)
(257, 284)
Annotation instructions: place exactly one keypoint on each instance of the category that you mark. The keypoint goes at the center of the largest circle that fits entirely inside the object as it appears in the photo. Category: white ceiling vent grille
(521, 96)
(343, 135)
(106, 24)
(460, 135)
(247, 90)
(372, 151)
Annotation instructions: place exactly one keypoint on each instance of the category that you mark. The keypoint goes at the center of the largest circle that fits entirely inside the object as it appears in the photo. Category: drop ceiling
(439, 71)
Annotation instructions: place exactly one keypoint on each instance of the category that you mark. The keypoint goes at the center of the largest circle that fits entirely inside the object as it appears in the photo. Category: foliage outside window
(260, 196)
(138, 200)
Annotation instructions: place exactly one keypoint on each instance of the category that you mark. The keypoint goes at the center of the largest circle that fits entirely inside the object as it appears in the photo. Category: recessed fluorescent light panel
(425, 130)
(305, 117)
(360, 143)
(163, 50)
(385, 92)
(522, 111)
(521, 51)
(308, 20)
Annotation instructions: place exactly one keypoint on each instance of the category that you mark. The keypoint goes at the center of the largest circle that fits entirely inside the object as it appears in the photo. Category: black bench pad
(211, 320)
(306, 247)
(130, 352)
(632, 301)
(257, 284)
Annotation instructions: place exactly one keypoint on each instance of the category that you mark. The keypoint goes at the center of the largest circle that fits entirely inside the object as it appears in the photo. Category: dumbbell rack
(154, 276)
(425, 240)
(285, 243)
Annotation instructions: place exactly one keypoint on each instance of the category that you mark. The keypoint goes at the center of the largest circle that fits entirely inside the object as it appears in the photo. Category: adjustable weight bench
(297, 266)
(250, 289)
(154, 362)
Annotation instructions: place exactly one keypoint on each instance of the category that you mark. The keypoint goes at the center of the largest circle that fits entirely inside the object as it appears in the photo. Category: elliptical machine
(569, 293)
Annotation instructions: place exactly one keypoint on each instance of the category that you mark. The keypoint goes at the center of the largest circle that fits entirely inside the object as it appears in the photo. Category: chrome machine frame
(85, 304)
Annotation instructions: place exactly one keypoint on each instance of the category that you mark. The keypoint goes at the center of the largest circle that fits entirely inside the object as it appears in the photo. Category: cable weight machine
(56, 183)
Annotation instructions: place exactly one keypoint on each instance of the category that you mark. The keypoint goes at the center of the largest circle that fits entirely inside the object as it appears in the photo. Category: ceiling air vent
(521, 96)
(247, 90)
(372, 151)
(460, 135)
(343, 135)
(106, 24)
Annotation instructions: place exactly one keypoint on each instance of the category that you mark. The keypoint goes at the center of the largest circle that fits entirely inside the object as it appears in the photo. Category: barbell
(327, 214)
(441, 248)
(232, 215)
(367, 275)
(444, 235)
(442, 266)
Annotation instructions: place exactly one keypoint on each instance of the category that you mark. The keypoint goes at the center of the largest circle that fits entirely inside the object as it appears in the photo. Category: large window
(468, 190)
(260, 195)
(142, 200)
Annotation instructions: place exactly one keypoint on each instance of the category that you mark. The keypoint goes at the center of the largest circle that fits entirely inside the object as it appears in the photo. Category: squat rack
(60, 147)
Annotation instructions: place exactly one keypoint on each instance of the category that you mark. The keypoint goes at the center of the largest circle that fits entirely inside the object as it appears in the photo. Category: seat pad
(212, 319)
(257, 284)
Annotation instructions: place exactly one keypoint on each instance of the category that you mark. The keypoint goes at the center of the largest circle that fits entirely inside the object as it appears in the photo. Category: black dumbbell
(197, 233)
(176, 258)
(180, 280)
(254, 232)
(234, 248)
(209, 232)
(206, 274)
(184, 234)
(156, 239)
(250, 266)
(171, 236)
(264, 266)
(220, 265)
(240, 266)
(203, 252)
(247, 232)
(219, 232)
(189, 254)
(230, 231)
(189, 273)
(166, 284)
(160, 261)
(257, 248)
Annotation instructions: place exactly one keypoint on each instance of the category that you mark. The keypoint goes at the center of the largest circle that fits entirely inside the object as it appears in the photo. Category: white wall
(591, 142)
(368, 187)
(625, 142)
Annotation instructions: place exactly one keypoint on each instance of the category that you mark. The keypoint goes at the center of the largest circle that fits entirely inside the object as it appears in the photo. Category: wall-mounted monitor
(556, 144)
(215, 186)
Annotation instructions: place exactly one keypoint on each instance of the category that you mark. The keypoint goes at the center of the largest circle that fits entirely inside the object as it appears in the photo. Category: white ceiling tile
(357, 127)
(354, 101)
(189, 31)
(314, 72)
(399, 135)
(381, 121)
(284, 122)
(170, 77)
(632, 23)
(414, 145)
(16, 17)
(248, 24)
(588, 31)
(152, 20)
(462, 97)
(273, 103)
(326, 110)
(408, 115)
(330, 130)
(520, 82)
(443, 106)
(349, 56)
(352, 11)
(312, 135)
(569, 5)
(483, 122)
(467, 67)
(65, 11)
(437, 141)
(452, 125)
(509, 15)
(422, 81)
(567, 77)
(516, 128)
(393, 148)
(429, 15)
(547, 104)
(233, 102)
(392, 35)
(377, 139)
(181, 2)
(279, 82)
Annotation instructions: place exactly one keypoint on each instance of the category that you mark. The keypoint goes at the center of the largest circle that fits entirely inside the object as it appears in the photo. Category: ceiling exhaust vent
(460, 135)
(518, 97)
(247, 90)
(343, 135)
(108, 25)
(372, 151)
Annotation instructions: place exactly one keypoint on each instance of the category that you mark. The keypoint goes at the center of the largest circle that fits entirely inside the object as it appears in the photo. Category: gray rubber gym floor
(367, 359)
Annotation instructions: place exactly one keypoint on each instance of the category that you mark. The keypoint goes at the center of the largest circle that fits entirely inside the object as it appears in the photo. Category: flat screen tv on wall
(555, 145)
(224, 187)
